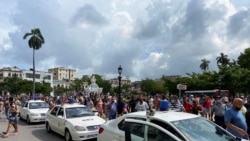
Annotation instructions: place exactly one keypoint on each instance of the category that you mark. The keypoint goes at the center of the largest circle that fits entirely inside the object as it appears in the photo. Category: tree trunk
(34, 83)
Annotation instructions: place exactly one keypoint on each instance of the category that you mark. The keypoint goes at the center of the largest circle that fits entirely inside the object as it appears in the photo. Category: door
(145, 131)
(23, 110)
(52, 118)
(60, 121)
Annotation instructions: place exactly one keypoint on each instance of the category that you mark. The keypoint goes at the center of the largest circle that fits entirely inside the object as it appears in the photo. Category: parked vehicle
(73, 121)
(162, 126)
(34, 111)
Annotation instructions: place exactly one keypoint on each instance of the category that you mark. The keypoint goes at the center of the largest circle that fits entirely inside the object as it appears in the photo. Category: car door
(23, 110)
(53, 118)
(145, 131)
(60, 120)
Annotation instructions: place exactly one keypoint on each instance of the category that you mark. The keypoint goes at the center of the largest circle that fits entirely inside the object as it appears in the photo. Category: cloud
(87, 15)
(147, 38)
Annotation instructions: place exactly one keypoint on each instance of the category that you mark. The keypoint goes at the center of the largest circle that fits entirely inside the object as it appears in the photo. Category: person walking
(112, 109)
(187, 105)
(132, 104)
(6, 104)
(163, 104)
(141, 105)
(196, 108)
(218, 112)
(235, 120)
(12, 117)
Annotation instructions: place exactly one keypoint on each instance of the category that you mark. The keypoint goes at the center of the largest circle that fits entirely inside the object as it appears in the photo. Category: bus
(211, 93)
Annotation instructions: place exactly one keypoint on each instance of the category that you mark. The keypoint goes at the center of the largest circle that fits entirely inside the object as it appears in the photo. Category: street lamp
(119, 78)
(219, 82)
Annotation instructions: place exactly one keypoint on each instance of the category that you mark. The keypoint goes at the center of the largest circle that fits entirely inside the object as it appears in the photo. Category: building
(115, 82)
(10, 72)
(61, 73)
(40, 76)
(136, 86)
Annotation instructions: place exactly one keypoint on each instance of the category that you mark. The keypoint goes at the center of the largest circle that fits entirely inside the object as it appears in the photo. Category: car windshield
(200, 129)
(78, 112)
(38, 105)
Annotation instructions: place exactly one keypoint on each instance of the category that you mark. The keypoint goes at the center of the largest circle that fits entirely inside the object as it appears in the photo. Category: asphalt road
(33, 132)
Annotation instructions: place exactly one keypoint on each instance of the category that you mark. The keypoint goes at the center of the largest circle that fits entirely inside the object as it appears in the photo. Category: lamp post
(219, 82)
(16, 83)
(119, 79)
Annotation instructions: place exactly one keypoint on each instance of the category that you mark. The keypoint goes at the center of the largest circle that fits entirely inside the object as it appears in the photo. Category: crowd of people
(232, 115)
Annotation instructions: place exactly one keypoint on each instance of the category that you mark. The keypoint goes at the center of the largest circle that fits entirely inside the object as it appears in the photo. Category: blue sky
(148, 38)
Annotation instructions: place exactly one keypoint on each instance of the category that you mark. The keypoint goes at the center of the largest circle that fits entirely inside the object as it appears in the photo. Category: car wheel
(67, 136)
(28, 120)
(48, 127)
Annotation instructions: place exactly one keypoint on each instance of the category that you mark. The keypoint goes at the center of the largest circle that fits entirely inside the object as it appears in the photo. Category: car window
(155, 134)
(121, 124)
(26, 105)
(60, 113)
(167, 127)
(137, 131)
(75, 112)
(38, 105)
(54, 111)
(200, 129)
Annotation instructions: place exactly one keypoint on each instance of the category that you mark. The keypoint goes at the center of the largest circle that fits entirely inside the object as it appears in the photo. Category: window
(139, 131)
(54, 111)
(26, 105)
(121, 125)
(60, 113)
(167, 127)
(155, 134)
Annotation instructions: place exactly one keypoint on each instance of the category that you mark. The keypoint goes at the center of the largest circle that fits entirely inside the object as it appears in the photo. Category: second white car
(73, 121)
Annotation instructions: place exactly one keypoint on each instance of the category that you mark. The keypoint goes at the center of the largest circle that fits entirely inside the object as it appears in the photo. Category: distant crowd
(232, 115)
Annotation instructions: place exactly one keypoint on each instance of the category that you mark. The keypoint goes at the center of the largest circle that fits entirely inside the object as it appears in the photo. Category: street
(33, 132)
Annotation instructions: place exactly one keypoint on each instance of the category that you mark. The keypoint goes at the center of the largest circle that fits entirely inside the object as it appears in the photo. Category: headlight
(80, 128)
(34, 114)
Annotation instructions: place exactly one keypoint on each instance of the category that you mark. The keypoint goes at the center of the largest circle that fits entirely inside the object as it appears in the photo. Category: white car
(34, 111)
(162, 126)
(73, 121)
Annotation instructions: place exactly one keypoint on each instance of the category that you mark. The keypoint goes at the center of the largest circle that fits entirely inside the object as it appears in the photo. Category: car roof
(164, 115)
(35, 101)
(66, 105)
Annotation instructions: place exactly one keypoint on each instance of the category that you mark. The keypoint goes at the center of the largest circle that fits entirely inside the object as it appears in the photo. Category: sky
(148, 38)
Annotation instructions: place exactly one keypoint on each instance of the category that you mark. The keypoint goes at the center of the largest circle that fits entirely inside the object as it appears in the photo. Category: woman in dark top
(13, 112)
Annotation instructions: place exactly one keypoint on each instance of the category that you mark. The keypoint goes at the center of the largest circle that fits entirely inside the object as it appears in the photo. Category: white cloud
(148, 38)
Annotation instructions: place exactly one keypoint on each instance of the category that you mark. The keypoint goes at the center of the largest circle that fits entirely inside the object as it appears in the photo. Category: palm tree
(204, 64)
(222, 59)
(35, 42)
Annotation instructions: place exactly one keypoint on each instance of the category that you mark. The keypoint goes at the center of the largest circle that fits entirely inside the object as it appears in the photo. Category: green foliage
(244, 59)
(36, 38)
(222, 60)
(151, 87)
(17, 86)
(204, 64)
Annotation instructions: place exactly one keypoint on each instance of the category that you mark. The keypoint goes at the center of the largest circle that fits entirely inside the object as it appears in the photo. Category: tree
(222, 60)
(204, 64)
(244, 59)
(35, 42)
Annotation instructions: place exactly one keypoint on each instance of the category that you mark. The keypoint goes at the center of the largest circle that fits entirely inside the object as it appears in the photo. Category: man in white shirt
(141, 105)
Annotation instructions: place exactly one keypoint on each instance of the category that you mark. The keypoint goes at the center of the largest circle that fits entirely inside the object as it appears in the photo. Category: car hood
(42, 110)
(87, 121)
